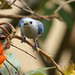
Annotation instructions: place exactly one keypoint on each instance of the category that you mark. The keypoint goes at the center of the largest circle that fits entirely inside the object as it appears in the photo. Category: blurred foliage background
(58, 38)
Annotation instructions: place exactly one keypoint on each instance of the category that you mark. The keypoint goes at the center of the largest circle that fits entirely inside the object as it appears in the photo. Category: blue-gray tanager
(30, 28)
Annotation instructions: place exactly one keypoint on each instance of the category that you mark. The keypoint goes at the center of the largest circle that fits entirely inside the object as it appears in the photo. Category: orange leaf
(2, 56)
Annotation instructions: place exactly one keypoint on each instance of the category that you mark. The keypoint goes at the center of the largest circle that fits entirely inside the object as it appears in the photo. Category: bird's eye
(30, 22)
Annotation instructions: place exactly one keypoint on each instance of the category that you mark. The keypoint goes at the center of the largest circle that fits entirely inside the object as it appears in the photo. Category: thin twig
(31, 11)
(61, 6)
(13, 66)
(27, 10)
(23, 51)
(5, 31)
(7, 69)
(23, 9)
(26, 6)
(12, 28)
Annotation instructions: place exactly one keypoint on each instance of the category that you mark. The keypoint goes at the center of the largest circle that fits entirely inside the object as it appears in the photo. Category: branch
(20, 16)
(38, 49)
(4, 37)
(61, 6)
(42, 52)
(8, 40)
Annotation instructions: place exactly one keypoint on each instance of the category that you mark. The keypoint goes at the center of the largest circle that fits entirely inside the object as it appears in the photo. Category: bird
(31, 28)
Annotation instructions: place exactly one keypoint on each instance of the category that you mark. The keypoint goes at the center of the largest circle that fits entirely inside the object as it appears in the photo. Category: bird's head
(27, 22)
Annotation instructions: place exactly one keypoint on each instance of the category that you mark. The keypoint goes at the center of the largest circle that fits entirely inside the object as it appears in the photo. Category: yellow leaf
(1, 65)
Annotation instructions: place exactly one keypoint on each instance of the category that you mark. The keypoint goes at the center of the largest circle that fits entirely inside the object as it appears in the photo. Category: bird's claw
(24, 40)
(35, 47)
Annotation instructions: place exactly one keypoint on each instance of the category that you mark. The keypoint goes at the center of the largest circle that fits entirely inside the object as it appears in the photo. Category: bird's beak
(25, 23)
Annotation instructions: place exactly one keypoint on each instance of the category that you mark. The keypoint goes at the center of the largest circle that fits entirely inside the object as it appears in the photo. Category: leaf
(12, 58)
(1, 65)
(47, 24)
(39, 71)
(2, 56)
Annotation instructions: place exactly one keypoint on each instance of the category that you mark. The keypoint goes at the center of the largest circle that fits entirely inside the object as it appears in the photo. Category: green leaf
(47, 24)
(12, 58)
(39, 71)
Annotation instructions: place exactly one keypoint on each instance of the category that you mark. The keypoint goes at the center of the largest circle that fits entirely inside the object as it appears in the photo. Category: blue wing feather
(20, 22)
(40, 29)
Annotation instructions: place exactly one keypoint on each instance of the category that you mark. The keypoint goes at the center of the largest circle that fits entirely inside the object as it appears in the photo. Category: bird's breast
(30, 32)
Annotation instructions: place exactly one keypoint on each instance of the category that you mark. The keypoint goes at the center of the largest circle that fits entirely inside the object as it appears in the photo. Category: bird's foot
(24, 40)
(35, 47)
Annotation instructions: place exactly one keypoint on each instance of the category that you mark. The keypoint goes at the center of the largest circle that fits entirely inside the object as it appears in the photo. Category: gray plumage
(30, 28)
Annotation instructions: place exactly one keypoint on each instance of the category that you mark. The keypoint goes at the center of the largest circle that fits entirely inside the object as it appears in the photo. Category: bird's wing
(20, 22)
(40, 27)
